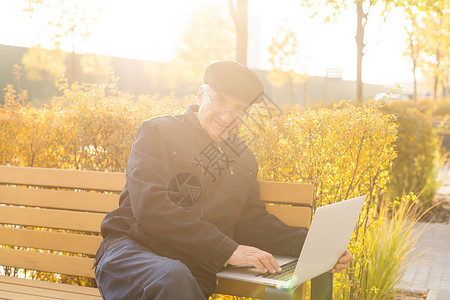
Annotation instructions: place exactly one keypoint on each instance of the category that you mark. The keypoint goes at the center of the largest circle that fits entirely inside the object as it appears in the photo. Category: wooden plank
(105, 181)
(291, 215)
(73, 289)
(62, 264)
(287, 192)
(8, 295)
(83, 201)
(50, 240)
(26, 291)
(51, 218)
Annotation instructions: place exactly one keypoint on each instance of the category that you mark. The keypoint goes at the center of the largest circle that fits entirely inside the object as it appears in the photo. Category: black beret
(234, 79)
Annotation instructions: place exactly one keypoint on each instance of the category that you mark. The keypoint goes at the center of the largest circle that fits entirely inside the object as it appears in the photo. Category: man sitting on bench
(191, 202)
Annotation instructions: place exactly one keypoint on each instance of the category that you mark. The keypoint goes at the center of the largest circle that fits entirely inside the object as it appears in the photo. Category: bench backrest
(48, 212)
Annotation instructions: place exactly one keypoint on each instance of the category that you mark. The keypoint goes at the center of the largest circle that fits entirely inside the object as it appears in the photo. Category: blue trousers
(129, 270)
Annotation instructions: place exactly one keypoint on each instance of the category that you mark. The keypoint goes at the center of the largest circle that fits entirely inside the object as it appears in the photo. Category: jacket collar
(190, 114)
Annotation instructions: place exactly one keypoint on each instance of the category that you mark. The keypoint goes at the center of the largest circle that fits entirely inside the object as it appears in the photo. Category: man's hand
(343, 262)
(262, 260)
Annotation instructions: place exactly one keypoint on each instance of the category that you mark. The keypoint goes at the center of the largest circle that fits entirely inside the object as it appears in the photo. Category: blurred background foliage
(418, 160)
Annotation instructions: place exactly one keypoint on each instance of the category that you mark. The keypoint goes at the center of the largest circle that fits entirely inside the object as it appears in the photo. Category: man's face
(220, 115)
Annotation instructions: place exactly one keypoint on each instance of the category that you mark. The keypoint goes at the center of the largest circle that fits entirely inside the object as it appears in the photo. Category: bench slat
(62, 264)
(74, 289)
(51, 218)
(287, 192)
(24, 291)
(291, 215)
(50, 240)
(76, 179)
(9, 295)
(83, 201)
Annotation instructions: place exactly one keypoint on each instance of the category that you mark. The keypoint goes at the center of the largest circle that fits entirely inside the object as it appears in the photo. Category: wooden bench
(50, 221)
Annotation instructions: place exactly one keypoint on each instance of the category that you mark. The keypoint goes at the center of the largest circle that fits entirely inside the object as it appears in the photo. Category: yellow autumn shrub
(345, 151)
(88, 127)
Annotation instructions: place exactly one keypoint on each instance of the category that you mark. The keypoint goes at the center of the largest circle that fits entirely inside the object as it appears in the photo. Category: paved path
(432, 273)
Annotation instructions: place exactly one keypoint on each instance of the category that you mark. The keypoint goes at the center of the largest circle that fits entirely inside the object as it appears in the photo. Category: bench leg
(322, 287)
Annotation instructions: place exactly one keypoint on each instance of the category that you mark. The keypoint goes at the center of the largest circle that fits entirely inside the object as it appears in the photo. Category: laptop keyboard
(285, 275)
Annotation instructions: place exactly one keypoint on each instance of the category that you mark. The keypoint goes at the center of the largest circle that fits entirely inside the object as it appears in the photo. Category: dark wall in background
(147, 77)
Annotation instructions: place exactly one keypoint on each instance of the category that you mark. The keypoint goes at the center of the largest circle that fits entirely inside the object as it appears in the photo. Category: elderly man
(191, 202)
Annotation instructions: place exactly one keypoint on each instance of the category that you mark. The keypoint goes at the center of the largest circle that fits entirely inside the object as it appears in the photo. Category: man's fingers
(339, 267)
(273, 262)
(269, 263)
(346, 258)
(262, 260)
(343, 262)
(257, 263)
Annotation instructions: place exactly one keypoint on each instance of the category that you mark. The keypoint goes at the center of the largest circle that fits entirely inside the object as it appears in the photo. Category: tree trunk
(240, 18)
(445, 87)
(291, 89)
(414, 67)
(74, 66)
(46, 87)
(359, 50)
(435, 87)
(415, 82)
(305, 93)
(436, 76)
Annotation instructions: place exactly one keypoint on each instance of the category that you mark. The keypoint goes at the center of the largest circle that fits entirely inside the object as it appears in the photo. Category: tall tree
(413, 50)
(65, 25)
(44, 65)
(208, 36)
(435, 33)
(96, 68)
(284, 55)
(429, 40)
(239, 13)
(363, 11)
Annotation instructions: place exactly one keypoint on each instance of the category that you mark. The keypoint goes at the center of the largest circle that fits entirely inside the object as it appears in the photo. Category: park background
(365, 107)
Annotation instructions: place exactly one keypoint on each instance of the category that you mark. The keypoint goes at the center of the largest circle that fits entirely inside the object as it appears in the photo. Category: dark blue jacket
(190, 198)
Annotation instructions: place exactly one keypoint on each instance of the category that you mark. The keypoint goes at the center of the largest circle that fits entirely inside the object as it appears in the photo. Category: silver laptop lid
(327, 239)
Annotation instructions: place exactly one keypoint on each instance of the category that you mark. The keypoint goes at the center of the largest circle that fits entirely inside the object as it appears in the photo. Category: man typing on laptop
(191, 204)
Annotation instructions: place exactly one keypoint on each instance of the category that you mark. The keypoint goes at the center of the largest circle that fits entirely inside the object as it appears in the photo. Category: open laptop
(326, 241)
